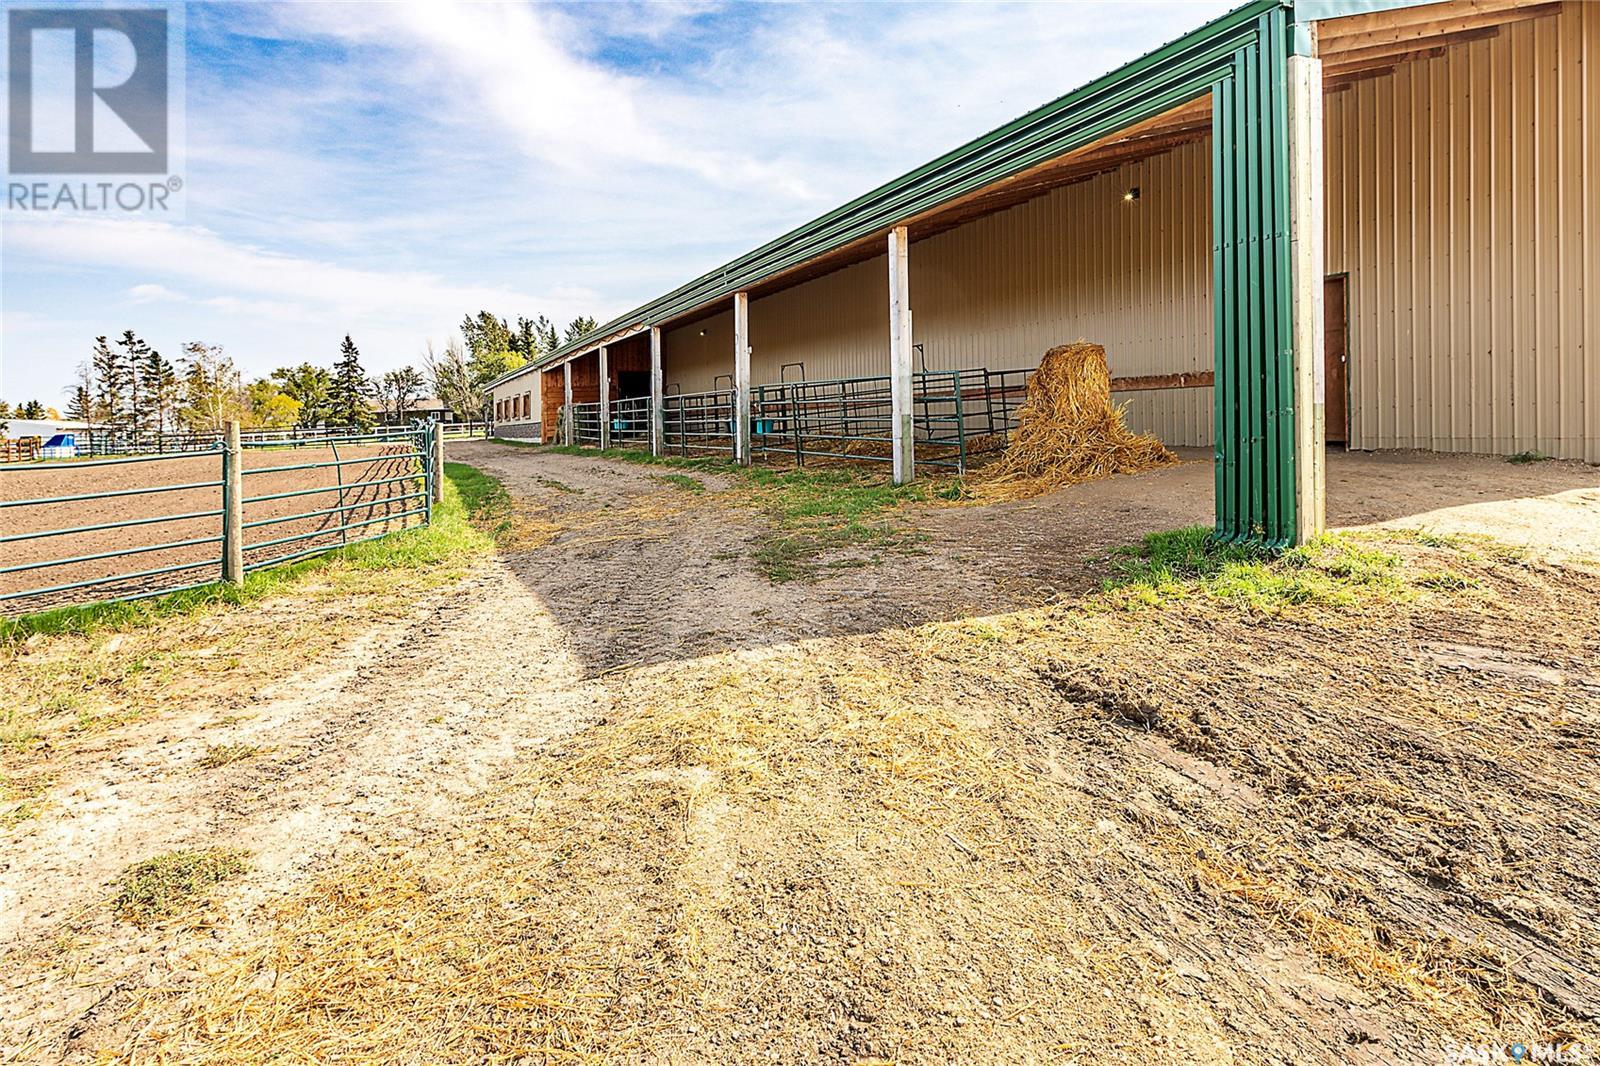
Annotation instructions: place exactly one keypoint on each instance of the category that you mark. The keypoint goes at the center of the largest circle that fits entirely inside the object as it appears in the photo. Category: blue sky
(385, 169)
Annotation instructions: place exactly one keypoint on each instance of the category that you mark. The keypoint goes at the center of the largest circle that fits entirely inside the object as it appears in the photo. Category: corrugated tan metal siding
(999, 291)
(691, 361)
(1083, 263)
(1462, 204)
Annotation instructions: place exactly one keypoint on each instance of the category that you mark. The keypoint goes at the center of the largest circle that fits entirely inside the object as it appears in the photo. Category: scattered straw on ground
(1069, 431)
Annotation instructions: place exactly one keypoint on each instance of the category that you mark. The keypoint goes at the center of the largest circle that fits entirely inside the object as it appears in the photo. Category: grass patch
(559, 486)
(682, 481)
(818, 513)
(171, 883)
(1445, 581)
(222, 754)
(1333, 570)
(474, 514)
(1524, 458)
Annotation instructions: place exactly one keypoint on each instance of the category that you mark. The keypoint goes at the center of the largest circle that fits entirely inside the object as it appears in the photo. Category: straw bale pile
(1069, 431)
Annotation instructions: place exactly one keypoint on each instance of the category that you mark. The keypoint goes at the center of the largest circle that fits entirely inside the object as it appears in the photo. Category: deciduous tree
(309, 386)
(397, 390)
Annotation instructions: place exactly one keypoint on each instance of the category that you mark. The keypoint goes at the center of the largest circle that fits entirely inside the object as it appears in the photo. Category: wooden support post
(656, 390)
(902, 429)
(605, 399)
(232, 507)
(741, 378)
(1308, 267)
(437, 434)
(566, 403)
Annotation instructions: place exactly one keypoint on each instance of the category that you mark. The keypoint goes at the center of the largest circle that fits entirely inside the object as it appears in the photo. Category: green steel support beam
(1254, 297)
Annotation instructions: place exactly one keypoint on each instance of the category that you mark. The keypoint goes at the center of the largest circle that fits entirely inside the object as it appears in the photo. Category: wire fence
(74, 530)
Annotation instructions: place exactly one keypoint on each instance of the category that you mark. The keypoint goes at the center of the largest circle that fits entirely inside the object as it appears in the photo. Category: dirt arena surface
(56, 479)
(617, 796)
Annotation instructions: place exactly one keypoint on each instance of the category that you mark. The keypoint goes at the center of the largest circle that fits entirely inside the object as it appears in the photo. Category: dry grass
(1068, 431)
(973, 835)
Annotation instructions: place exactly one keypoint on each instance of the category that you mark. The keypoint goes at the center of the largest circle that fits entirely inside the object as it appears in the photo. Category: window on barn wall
(527, 405)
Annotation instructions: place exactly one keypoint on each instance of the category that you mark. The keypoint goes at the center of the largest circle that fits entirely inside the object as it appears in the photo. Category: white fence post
(656, 389)
(741, 378)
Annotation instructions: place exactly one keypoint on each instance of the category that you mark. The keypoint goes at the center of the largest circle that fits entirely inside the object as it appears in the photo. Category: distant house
(423, 409)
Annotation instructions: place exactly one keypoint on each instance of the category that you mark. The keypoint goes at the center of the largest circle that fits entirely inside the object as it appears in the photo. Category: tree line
(461, 374)
(129, 387)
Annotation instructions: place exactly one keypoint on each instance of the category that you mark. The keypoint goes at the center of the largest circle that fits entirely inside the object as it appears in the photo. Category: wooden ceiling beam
(1379, 63)
(1391, 52)
(1454, 32)
(1407, 22)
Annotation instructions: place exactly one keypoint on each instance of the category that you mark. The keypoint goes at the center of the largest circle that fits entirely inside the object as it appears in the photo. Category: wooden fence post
(232, 507)
(438, 462)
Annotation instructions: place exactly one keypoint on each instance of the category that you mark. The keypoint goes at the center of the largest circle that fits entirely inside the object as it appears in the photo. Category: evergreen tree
(80, 408)
(81, 405)
(486, 335)
(32, 410)
(545, 334)
(579, 327)
(110, 386)
(158, 380)
(348, 395)
(130, 353)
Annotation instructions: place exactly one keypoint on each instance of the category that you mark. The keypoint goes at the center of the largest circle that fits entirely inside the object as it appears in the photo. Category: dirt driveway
(683, 586)
(619, 797)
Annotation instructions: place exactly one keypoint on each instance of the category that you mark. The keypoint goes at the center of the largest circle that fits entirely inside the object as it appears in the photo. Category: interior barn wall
(1001, 290)
(1462, 202)
(692, 362)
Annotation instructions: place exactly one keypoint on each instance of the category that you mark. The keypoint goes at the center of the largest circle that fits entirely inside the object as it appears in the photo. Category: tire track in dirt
(376, 744)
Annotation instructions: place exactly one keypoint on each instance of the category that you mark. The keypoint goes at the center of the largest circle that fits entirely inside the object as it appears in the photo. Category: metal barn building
(1369, 223)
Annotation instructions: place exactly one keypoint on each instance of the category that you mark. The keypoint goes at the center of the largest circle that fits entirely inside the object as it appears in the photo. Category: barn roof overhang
(1150, 105)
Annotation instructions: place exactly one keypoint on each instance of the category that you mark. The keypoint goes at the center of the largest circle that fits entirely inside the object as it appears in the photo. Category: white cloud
(151, 293)
(201, 258)
(387, 169)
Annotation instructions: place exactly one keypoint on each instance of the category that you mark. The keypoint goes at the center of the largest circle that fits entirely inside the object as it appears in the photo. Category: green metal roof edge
(1110, 102)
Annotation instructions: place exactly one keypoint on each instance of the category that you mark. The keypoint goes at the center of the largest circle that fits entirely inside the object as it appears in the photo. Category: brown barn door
(1336, 322)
